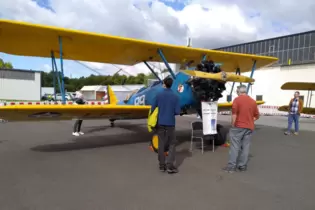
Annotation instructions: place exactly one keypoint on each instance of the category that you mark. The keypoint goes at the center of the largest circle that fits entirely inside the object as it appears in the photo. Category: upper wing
(298, 86)
(27, 39)
(68, 112)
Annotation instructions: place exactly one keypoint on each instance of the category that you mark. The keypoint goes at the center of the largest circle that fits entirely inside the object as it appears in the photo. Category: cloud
(211, 24)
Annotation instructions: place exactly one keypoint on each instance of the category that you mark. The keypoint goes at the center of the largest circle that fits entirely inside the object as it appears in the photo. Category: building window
(259, 97)
(300, 55)
(290, 42)
(312, 39)
(276, 44)
(295, 56)
(307, 40)
(312, 53)
(302, 39)
(271, 48)
(285, 57)
(306, 54)
(296, 42)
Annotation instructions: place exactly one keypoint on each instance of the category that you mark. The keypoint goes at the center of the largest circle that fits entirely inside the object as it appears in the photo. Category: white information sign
(209, 117)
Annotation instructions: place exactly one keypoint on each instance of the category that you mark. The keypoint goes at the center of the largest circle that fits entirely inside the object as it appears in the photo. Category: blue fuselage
(146, 96)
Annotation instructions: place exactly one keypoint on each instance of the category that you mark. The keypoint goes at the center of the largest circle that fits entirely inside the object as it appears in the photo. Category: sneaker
(287, 133)
(81, 133)
(172, 170)
(296, 133)
(162, 168)
(229, 169)
(75, 134)
(242, 169)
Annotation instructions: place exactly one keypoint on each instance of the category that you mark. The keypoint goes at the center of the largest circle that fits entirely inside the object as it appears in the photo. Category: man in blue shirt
(168, 103)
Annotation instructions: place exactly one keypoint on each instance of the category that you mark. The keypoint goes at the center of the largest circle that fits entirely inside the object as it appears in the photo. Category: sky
(210, 24)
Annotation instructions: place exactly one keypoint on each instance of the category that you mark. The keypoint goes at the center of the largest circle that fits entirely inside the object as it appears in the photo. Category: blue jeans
(240, 139)
(295, 118)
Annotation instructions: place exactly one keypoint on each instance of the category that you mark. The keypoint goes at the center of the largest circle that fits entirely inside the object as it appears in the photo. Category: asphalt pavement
(44, 167)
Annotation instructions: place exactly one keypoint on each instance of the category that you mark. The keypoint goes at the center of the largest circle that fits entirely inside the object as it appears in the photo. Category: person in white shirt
(79, 99)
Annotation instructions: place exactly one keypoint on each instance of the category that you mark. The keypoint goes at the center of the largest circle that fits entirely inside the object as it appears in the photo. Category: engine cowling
(207, 89)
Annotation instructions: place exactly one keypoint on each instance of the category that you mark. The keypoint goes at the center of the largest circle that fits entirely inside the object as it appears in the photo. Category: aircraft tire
(220, 138)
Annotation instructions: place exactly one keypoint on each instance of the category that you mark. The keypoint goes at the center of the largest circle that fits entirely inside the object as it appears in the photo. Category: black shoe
(229, 169)
(172, 170)
(162, 168)
(242, 169)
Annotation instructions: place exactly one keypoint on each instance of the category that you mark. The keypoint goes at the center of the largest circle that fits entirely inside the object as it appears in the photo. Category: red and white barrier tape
(49, 102)
(266, 110)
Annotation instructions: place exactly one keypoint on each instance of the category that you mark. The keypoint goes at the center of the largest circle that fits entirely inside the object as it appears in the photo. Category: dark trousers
(77, 126)
(167, 139)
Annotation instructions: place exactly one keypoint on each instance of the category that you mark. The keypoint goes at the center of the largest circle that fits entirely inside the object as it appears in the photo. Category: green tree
(73, 84)
(5, 65)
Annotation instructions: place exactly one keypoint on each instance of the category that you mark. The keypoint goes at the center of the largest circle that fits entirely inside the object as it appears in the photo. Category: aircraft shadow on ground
(140, 135)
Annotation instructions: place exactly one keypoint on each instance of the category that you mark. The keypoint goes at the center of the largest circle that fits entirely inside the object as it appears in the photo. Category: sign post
(209, 117)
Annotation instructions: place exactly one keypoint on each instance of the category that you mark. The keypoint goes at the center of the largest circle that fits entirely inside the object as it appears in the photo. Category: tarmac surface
(44, 167)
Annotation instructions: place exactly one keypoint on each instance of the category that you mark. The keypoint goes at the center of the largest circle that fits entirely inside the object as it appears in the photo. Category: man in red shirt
(244, 114)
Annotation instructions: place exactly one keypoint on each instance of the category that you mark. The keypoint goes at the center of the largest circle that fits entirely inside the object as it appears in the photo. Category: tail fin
(112, 99)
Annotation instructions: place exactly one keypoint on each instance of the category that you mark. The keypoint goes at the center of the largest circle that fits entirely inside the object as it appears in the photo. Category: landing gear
(219, 138)
(112, 123)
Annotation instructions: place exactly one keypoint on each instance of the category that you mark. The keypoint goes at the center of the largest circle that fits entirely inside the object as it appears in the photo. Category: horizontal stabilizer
(221, 76)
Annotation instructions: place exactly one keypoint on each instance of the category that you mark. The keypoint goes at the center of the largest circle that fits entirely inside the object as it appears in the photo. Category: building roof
(22, 70)
(115, 88)
(261, 40)
(126, 88)
(93, 88)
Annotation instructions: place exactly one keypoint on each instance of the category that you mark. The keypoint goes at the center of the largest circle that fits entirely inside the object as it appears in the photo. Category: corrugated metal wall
(20, 85)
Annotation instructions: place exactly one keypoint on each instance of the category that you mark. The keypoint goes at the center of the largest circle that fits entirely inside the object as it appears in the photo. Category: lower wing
(306, 110)
(85, 112)
(68, 112)
(228, 106)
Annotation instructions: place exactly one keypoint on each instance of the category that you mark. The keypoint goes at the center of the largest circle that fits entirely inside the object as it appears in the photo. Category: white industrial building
(98, 92)
(296, 54)
(268, 82)
(16, 84)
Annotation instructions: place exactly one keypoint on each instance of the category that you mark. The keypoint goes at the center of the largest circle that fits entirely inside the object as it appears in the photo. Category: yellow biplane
(25, 39)
(302, 86)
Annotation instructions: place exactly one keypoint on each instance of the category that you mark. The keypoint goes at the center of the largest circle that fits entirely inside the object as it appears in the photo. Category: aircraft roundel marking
(180, 88)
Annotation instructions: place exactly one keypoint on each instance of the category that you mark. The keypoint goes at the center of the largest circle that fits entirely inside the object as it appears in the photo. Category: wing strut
(56, 72)
(309, 98)
(166, 63)
(237, 72)
(153, 72)
(251, 75)
(62, 75)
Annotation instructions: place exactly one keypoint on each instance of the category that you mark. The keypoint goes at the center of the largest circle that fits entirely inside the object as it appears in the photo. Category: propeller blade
(221, 76)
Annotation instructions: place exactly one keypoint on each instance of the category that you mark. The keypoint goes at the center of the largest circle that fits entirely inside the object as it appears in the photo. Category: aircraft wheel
(221, 136)
(112, 123)
(154, 144)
